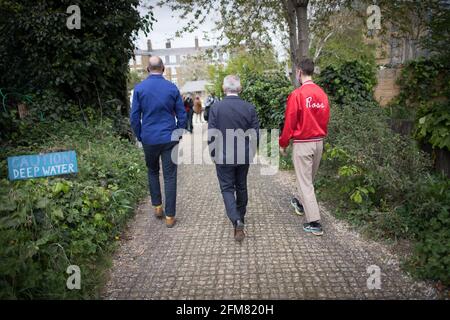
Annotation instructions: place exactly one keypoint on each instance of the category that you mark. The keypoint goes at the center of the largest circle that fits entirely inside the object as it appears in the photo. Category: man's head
(231, 84)
(305, 69)
(155, 65)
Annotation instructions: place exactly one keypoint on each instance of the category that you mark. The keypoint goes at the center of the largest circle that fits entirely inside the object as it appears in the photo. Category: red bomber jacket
(307, 115)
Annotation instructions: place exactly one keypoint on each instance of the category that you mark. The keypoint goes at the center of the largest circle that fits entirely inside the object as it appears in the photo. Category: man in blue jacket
(233, 130)
(157, 112)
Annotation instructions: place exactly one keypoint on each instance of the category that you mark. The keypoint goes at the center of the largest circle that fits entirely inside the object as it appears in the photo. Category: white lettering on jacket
(313, 105)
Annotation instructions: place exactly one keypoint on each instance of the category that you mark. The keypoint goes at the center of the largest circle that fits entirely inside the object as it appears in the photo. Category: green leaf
(57, 188)
(58, 213)
(7, 204)
(356, 197)
(42, 203)
(61, 187)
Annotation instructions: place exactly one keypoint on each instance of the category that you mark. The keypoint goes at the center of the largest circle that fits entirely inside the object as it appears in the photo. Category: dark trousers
(190, 116)
(152, 155)
(233, 185)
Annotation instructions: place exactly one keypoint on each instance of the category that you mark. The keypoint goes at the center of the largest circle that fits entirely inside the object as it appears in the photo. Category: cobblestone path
(199, 259)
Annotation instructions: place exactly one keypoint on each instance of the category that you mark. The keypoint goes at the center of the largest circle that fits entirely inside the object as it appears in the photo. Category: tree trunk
(296, 14)
(291, 19)
(301, 11)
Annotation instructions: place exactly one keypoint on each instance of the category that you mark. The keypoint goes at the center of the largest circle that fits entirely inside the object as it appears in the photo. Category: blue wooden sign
(42, 165)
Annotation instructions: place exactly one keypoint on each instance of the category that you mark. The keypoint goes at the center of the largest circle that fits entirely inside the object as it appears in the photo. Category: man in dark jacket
(233, 130)
(156, 115)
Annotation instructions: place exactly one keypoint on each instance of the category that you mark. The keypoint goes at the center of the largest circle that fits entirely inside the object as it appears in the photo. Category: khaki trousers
(306, 158)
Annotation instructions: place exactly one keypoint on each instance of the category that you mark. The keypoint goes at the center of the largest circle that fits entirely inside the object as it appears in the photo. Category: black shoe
(314, 227)
(239, 234)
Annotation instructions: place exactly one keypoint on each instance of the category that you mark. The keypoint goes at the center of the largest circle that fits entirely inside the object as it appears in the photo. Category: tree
(242, 63)
(296, 15)
(342, 39)
(83, 67)
(255, 23)
(438, 39)
(133, 79)
(193, 68)
(413, 20)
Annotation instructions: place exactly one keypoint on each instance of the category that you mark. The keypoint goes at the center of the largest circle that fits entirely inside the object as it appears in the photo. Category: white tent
(194, 86)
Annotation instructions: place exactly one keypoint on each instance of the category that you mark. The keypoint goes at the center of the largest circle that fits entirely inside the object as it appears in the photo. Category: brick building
(174, 58)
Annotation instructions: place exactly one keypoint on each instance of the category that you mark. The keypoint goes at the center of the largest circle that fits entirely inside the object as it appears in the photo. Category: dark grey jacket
(237, 123)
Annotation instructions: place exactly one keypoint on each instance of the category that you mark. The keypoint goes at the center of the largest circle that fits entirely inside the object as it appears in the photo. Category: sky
(167, 24)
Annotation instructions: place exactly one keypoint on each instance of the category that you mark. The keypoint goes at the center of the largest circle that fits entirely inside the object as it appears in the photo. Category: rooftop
(194, 86)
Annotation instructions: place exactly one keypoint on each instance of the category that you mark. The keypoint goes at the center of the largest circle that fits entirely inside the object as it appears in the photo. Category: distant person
(189, 107)
(306, 123)
(191, 111)
(208, 104)
(198, 109)
(157, 111)
(232, 164)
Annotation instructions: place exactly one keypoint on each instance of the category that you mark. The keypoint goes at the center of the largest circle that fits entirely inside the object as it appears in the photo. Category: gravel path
(199, 259)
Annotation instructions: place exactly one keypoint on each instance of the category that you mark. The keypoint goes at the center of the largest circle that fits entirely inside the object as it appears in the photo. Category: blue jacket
(157, 102)
(233, 113)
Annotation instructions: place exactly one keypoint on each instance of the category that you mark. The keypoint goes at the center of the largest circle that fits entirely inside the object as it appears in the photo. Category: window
(138, 60)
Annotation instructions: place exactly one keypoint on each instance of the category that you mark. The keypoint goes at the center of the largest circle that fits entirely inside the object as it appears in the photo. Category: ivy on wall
(425, 98)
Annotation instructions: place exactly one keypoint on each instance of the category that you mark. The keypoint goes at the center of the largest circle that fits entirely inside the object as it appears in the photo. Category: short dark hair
(307, 66)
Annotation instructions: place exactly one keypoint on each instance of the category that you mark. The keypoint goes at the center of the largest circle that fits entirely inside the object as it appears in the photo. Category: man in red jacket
(306, 122)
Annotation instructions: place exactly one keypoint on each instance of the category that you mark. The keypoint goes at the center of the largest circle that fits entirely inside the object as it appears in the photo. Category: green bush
(425, 98)
(85, 67)
(433, 125)
(268, 92)
(349, 82)
(242, 63)
(368, 153)
(50, 223)
(424, 80)
(381, 182)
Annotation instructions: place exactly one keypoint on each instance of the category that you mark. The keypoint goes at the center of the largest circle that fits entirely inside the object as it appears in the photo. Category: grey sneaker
(299, 210)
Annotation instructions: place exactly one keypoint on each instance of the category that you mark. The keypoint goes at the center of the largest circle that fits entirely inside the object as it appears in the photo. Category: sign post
(42, 165)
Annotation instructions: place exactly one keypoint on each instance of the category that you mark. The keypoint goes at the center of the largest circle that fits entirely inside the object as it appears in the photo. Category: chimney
(196, 42)
(149, 45)
(168, 44)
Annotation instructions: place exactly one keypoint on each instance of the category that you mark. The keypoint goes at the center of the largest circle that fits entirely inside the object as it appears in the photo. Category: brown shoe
(170, 222)
(239, 234)
(159, 212)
